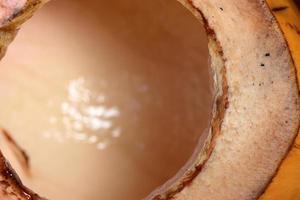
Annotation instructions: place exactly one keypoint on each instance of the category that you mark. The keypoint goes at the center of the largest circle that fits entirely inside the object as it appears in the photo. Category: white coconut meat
(261, 112)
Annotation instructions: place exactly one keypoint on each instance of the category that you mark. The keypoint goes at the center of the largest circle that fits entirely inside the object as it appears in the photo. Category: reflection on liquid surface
(85, 117)
(108, 101)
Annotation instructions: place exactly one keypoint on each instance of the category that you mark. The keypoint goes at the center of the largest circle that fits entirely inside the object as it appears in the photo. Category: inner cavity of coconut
(108, 101)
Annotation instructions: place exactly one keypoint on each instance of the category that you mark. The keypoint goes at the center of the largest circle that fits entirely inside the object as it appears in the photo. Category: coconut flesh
(108, 103)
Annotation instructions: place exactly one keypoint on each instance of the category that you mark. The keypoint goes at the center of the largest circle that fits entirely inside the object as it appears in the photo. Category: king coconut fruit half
(251, 150)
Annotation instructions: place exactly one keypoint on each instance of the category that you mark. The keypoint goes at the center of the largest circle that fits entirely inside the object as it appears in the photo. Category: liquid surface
(108, 98)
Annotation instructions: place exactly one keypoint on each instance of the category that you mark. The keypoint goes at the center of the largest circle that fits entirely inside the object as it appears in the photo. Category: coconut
(255, 117)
